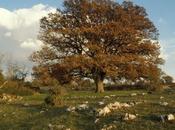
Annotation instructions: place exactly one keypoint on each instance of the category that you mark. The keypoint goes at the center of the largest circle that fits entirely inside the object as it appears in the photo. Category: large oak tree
(99, 39)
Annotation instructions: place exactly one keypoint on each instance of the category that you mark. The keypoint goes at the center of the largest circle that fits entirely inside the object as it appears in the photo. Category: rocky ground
(117, 110)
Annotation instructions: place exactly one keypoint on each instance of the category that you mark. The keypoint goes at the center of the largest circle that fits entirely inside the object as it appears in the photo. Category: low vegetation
(91, 45)
(32, 113)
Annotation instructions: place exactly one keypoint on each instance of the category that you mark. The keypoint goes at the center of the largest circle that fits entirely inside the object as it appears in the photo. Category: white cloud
(32, 44)
(22, 25)
(164, 55)
(23, 17)
(163, 49)
(167, 52)
(8, 34)
(19, 29)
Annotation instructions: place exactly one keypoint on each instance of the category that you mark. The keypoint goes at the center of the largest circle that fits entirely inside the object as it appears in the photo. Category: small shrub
(55, 97)
(61, 91)
(83, 85)
(49, 100)
(16, 88)
(53, 100)
(155, 87)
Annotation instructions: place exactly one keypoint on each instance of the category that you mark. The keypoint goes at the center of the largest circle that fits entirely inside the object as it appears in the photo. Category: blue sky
(161, 12)
(16, 4)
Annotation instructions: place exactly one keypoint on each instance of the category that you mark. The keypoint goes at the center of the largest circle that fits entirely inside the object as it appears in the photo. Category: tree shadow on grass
(59, 116)
(39, 116)
(156, 117)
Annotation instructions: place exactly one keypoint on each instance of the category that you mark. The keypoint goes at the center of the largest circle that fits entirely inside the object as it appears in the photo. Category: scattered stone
(4, 115)
(143, 94)
(144, 101)
(26, 104)
(59, 126)
(161, 97)
(82, 107)
(163, 103)
(129, 117)
(117, 105)
(96, 121)
(131, 103)
(86, 102)
(71, 109)
(170, 117)
(104, 111)
(109, 127)
(138, 102)
(41, 112)
(162, 117)
(112, 95)
(50, 125)
(112, 107)
(115, 122)
(101, 103)
(133, 94)
(107, 97)
(9, 98)
(13, 113)
(125, 105)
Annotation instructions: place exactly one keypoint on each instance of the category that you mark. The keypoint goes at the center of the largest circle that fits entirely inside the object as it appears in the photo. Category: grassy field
(32, 114)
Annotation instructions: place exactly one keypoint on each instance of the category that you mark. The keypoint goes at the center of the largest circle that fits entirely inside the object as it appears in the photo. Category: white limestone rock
(170, 117)
(164, 103)
(104, 111)
(101, 103)
(129, 117)
(133, 94)
(82, 107)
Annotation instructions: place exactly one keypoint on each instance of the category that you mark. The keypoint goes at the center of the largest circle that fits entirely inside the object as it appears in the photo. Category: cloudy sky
(19, 25)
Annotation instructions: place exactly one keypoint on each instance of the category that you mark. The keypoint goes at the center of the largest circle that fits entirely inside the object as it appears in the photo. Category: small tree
(98, 39)
(1, 71)
(42, 77)
(167, 79)
(16, 71)
(1, 77)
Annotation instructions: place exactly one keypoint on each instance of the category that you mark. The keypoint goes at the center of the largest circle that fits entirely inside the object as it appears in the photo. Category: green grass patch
(32, 114)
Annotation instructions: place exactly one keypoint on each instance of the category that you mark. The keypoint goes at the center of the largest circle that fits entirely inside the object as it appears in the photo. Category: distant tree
(1, 77)
(16, 71)
(1, 71)
(42, 77)
(167, 79)
(99, 39)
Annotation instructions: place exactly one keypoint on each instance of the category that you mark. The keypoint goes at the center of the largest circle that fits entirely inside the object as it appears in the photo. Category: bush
(54, 100)
(49, 100)
(1, 78)
(82, 85)
(55, 97)
(61, 91)
(155, 86)
(16, 88)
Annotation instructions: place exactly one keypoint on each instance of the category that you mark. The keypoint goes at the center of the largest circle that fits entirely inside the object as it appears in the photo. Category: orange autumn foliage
(99, 39)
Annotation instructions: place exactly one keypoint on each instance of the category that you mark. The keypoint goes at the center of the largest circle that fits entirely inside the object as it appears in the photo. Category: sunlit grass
(18, 116)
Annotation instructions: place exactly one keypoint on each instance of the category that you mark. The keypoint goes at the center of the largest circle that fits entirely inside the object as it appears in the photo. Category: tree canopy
(99, 39)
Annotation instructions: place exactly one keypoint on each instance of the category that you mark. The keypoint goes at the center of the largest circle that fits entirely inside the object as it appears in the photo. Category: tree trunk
(99, 86)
